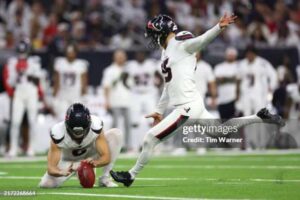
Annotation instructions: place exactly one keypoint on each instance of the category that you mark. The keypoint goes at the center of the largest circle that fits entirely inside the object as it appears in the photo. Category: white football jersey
(71, 150)
(204, 75)
(20, 69)
(226, 92)
(142, 75)
(258, 77)
(294, 93)
(298, 73)
(179, 66)
(119, 95)
(70, 77)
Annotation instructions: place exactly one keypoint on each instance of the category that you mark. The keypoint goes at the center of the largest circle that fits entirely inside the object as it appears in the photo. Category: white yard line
(143, 179)
(221, 152)
(171, 159)
(153, 166)
(177, 179)
(226, 158)
(224, 167)
(23, 159)
(128, 196)
(37, 166)
(163, 179)
(274, 180)
(214, 154)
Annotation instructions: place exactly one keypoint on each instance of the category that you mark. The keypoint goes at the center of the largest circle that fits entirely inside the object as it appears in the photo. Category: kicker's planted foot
(122, 177)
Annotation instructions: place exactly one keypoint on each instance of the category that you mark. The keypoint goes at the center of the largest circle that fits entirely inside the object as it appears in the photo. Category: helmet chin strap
(158, 40)
(161, 40)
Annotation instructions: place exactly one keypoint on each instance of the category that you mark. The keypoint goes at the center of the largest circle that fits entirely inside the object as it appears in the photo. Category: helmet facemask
(78, 122)
(23, 49)
(78, 133)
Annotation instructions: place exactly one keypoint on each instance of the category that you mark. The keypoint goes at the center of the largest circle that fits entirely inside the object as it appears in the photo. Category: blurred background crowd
(94, 52)
(110, 24)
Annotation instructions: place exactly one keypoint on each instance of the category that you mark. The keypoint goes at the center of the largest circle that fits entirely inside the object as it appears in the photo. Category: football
(86, 175)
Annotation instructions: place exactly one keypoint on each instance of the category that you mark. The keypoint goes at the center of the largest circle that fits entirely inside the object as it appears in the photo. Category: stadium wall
(100, 60)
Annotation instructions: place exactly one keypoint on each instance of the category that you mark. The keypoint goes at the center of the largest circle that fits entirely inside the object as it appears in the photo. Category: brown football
(86, 175)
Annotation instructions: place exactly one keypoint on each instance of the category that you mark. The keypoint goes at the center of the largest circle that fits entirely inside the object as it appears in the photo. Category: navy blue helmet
(158, 29)
(78, 121)
(24, 47)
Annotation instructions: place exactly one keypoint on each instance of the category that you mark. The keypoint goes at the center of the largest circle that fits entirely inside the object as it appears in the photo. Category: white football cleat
(30, 152)
(2, 151)
(179, 152)
(201, 151)
(12, 153)
(105, 181)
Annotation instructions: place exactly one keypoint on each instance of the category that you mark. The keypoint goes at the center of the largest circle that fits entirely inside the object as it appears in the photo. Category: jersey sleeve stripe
(97, 131)
(184, 37)
(56, 141)
(180, 120)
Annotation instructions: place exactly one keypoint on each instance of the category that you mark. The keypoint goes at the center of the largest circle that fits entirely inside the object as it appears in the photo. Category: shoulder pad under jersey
(57, 133)
(97, 124)
(184, 35)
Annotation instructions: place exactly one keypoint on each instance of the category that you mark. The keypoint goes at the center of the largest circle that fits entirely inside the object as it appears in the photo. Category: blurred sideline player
(23, 82)
(178, 66)
(285, 77)
(70, 80)
(80, 137)
(95, 102)
(292, 108)
(205, 81)
(257, 80)
(117, 94)
(226, 78)
(142, 77)
(293, 102)
(4, 121)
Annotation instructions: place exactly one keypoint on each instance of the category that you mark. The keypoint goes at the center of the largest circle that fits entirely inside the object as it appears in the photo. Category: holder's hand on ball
(68, 171)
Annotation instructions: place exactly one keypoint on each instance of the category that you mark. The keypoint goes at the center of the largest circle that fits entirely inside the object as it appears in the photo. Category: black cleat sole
(267, 117)
(116, 177)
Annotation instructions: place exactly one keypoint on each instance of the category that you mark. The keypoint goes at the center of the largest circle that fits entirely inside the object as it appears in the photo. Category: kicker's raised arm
(195, 44)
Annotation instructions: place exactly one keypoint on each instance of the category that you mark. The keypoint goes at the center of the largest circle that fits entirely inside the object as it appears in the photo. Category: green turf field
(172, 178)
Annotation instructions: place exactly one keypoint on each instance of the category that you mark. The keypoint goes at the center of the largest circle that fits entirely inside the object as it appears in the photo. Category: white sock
(31, 137)
(233, 122)
(114, 139)
(240, 122)
(14, 137)
(150, 142)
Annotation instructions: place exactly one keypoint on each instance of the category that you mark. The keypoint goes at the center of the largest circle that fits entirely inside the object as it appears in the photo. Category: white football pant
(25, 100)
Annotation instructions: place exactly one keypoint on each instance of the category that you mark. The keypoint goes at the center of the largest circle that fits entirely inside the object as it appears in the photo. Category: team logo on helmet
(78, 121)
(158, 29)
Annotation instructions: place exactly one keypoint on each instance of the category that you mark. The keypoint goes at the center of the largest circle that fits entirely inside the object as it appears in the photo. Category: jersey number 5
(166, 70)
